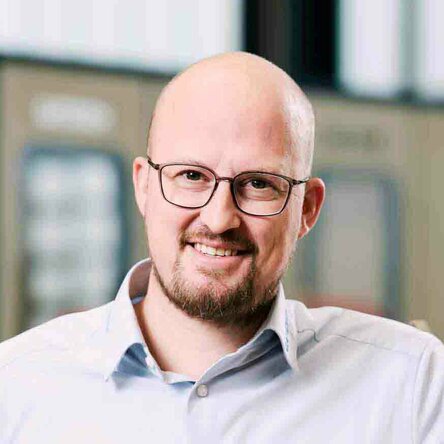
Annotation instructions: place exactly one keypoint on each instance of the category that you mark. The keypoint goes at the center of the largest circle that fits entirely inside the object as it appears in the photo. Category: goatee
(241, 305)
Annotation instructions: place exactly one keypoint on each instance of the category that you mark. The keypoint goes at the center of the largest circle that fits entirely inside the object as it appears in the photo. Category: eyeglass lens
(255, 193)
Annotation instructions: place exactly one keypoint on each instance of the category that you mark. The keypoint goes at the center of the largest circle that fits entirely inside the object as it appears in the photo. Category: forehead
(224, 120)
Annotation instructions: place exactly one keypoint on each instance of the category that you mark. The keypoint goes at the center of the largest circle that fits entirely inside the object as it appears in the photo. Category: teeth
(214, 251)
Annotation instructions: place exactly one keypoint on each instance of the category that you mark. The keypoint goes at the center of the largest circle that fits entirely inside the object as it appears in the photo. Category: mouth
(217, 252)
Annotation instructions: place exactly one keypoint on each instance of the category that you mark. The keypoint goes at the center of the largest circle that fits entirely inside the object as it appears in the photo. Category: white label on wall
(73, 115)
(370, 47)
(429, 49)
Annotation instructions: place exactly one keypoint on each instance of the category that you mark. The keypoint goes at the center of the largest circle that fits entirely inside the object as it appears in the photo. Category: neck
(186, 345)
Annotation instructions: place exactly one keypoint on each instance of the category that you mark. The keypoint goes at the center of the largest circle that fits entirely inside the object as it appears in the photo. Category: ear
(313, 200)
(140, 182)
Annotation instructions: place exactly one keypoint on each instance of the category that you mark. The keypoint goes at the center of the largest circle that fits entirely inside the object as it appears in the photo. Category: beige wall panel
(22, 86)
(433, 234)
(391, 139)
(359, 134)
(414, 226)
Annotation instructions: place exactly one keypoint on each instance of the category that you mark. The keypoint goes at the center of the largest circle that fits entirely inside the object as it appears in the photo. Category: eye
(192, 175)
(259, 184)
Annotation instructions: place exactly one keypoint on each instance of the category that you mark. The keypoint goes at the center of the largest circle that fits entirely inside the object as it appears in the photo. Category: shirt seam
(406, 353)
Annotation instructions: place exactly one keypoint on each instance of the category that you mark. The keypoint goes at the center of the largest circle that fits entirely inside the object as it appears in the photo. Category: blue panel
(74, 229)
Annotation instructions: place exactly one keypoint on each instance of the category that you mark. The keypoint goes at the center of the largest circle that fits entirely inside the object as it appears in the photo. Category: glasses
(256, 193)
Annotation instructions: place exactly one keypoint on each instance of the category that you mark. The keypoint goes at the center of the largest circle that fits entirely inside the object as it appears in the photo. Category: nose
(221, 213)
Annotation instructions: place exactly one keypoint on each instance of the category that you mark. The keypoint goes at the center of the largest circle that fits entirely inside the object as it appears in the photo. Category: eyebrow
(191, 161)
(263, 168)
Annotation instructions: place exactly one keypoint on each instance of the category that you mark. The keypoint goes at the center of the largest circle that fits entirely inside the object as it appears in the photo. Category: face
(233, 133)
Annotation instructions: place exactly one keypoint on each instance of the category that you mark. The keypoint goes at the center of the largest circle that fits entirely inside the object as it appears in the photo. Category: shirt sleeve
(428, 402)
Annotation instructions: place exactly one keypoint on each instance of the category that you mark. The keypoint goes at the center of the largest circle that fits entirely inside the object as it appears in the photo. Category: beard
(239, 305)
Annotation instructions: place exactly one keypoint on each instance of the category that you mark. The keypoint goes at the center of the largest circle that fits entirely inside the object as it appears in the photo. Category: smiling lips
(212, 251)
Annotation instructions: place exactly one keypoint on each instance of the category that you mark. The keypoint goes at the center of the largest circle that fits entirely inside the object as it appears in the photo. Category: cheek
(159, 213)
(164, 225)
(159, 227)
(278, 241)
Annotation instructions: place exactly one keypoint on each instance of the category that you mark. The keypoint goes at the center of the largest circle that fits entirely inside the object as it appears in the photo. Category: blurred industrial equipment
(76, 100)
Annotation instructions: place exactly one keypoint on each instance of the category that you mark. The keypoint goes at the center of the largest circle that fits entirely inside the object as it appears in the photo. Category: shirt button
(202, 391)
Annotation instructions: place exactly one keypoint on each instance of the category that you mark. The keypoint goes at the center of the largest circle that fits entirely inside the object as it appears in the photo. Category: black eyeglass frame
(292, 182)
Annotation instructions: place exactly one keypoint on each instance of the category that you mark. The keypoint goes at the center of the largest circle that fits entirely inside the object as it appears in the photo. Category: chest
(260, 404)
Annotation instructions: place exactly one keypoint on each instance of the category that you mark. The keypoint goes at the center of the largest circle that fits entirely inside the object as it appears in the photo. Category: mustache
(234, 239)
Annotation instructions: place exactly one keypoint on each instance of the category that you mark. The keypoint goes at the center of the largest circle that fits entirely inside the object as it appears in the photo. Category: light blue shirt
(325, 375)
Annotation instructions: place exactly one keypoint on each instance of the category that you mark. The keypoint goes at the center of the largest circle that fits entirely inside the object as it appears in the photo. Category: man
(200, 344)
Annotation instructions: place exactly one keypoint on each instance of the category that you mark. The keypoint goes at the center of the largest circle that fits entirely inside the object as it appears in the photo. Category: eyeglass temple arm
(299, 182)
(156, 166)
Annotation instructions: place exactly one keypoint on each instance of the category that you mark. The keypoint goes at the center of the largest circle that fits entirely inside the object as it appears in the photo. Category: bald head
(233, 91)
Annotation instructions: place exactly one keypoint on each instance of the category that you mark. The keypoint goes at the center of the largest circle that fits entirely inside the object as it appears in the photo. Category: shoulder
(393, 364)
(339, 325)
(54, 336)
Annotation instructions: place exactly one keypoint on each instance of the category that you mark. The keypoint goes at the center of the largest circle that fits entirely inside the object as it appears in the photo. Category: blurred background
(78, 82)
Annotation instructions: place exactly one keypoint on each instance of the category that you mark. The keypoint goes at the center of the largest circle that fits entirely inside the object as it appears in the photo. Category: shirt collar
(281, 322)
(121, 329)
